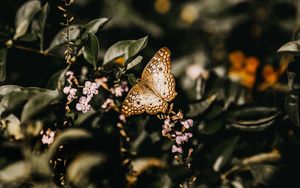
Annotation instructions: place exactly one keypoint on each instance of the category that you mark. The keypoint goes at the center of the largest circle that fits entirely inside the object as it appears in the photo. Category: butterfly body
(155, 88)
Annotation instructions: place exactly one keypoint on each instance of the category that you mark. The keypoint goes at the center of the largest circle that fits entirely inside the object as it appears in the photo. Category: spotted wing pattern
(155, 88)
(141, 99)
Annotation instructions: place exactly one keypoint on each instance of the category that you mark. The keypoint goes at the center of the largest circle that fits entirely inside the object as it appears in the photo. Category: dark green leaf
(24, 17)
(263, 173)
(136, 47)
(60, 38)
(94, 25)
(16, 98)
(292, 106)
(57, 80)
(15, 172)
(80, 169)
(225, 150)
(252, 118)
(210, 127)
(199, 107)
(134, 62)
(67, 135)
(5, 89)
(3, 54)
(131, 79)
(91, 49)
(82, 117)
(37, 103)
(38, 24)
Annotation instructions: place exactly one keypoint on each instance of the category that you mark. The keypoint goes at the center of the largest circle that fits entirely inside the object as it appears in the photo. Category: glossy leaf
(3, 54)
(57, 80)
(91, 49)
(67, 135)
(263, 173)
(254, 118)
(96, 24)
(5, 89)
(38, 103)
(116, 50)
(292, 106)
(134, 62)
(125, 48)
(60, 37)
(80, 169)
(199, 107)
(38, 24)
(24, 17)
(136, 47)
(16, 98)
(225, 150)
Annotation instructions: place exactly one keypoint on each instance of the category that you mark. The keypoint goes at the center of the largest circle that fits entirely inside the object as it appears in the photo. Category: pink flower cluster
(119, 90)
(89, 90)
(180, 137)
(48, 136)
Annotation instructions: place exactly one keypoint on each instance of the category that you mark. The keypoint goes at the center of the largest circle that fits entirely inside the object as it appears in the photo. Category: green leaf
(126, 48)
(116, 50)
(15, 172)
(38, 24)
(16, 98)
(209, 127)
(134, 62)
(60, 37)
(91, 49)
(225, 150)
(24, 17)
(292, 106)
(3, 55)
(65, 136)
(290, 47)
(252, 118)
(38, 103)
(136, 47)
(5, 89)
(94, 25)
(263, 173)
(199, 107)
(131, 78)
(57, 80)
(80, 169)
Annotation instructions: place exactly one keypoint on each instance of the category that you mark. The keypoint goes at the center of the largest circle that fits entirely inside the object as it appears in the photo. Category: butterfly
(154, 89)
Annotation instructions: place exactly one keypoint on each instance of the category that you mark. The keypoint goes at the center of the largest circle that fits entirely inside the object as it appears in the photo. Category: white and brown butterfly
(154, 89)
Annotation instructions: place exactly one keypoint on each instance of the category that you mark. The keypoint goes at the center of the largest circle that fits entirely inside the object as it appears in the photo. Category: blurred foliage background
(229, 80)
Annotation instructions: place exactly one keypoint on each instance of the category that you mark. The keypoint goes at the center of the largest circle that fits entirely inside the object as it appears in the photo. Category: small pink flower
(70, 76)
(48, 136)
(108, 104)
(90, 88)
(72, 94)
(176, 149)
(67, 89)
(180, 139)
(83, 105)
(187, 123)
(117, 91)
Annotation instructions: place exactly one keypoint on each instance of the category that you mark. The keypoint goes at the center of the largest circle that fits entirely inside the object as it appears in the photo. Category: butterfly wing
(157, 75)
(141, 99)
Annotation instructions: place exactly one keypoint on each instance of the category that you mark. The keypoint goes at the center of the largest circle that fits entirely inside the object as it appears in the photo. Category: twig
(272, 156)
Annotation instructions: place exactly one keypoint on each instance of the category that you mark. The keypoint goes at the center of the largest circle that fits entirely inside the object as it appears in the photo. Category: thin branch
(272, 156)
